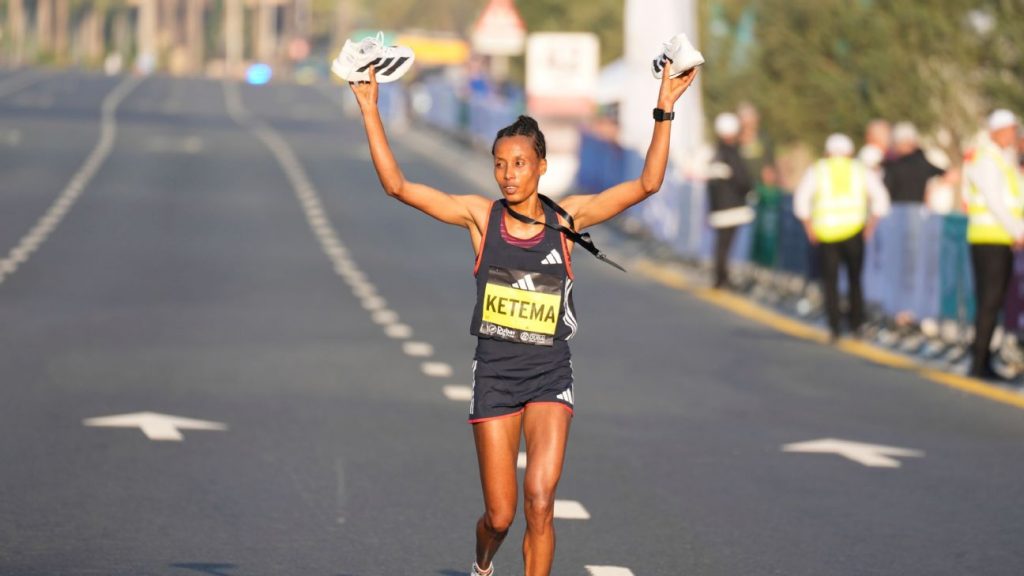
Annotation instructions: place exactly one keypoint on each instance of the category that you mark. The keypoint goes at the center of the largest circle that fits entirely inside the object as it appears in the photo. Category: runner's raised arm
(592, 209)
(464, 211)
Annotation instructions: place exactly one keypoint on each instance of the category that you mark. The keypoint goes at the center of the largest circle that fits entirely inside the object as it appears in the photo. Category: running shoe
(390, 62)
(476, 571)
(678, 56)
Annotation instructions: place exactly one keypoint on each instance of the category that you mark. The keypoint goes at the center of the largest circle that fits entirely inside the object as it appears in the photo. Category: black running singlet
(524, 295)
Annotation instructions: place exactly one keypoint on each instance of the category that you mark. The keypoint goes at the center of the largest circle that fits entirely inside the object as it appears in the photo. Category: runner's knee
(499, 520)
(539, 504)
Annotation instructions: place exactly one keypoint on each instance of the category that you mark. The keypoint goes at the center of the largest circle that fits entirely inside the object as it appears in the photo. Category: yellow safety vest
(982, 226)
(841, 200)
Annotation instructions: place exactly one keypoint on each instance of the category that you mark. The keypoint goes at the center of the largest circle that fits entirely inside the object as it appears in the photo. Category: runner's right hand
(366, 91)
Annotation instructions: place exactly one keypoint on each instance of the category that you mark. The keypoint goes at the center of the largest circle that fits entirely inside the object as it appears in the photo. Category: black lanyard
(580, 239)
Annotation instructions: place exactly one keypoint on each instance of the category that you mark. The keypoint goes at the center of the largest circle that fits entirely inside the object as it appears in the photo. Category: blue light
(258, 74)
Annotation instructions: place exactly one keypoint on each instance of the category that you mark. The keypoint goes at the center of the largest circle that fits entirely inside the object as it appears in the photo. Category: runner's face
(517, 169)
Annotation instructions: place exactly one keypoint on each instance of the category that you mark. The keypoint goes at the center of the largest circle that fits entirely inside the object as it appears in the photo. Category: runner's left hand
(673, 88)
(366, 91)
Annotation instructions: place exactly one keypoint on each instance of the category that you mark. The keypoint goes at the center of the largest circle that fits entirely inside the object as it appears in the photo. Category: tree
(818, 66)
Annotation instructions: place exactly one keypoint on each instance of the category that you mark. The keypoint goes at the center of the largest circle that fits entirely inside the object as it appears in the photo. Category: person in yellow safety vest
(839, 201)
(995, 228)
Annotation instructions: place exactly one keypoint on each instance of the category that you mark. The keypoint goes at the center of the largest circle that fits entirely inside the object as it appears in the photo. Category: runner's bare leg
(497, 446)
(546, 426)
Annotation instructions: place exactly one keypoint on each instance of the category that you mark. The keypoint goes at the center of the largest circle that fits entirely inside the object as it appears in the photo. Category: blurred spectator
(908, 173)
(728, 186)
(768, 221)
(995, 209)
(1020, 150)
(833, 201)
(876, 145)
(754, 148)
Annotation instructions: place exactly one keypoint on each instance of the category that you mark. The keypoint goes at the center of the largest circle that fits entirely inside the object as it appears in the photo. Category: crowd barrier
(917, 263)
(476, 116)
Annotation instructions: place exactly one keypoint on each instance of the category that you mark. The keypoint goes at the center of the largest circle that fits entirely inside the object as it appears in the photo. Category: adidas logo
(553, 257)
(566, 396)
(385, 66)
(659, 63)
(526, 283)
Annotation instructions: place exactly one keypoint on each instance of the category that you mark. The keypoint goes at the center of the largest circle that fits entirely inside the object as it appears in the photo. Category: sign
(435, 50)
(871, 455)
(499, 31)
(561, 73)
(156, 427)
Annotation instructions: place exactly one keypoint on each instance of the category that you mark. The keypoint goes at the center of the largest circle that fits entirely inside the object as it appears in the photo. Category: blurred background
(794, 71)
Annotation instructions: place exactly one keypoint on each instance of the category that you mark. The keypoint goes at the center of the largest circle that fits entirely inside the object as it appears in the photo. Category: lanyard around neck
(570, 231)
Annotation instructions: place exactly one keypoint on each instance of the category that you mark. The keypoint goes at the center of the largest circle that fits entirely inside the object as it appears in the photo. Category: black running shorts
(507, 376)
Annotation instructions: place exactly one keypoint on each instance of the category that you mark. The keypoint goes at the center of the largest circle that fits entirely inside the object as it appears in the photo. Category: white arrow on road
(157, 427)
(873, 455)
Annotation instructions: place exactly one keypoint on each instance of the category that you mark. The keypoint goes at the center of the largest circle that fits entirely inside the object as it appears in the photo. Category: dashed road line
(570, 510)
(458, 393)
(53, 216)
(608, 571)
(374, 303)
(437, 369)
(327, 236)
(385, 317)
(418, 349)
(398, 331)
(521, 461)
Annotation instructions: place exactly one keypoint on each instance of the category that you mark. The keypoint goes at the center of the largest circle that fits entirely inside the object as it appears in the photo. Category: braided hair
(524, 126)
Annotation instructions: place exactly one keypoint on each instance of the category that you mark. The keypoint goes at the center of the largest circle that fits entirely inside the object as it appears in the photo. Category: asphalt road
(235, 261)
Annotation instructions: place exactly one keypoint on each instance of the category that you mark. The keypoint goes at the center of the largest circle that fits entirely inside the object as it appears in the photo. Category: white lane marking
(457, 393)
(871, 455)
(418, 349)
(10, 137)
(322, 228)
(521, 461)
(570, 510)
(35, 237)
(156, 427)
(437, 369)
(608, 571)
(171, 145)
(374, 303)
(364, 291)
(398, 331)
(18, 81)
(385, 317)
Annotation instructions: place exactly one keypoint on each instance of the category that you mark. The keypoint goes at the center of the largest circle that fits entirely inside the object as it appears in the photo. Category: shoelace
(371, 42)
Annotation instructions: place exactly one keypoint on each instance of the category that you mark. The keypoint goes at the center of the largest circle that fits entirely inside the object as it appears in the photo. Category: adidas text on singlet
(524, 294)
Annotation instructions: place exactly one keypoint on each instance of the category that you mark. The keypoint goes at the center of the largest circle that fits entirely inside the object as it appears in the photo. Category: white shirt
(988, 177)
(803, 199)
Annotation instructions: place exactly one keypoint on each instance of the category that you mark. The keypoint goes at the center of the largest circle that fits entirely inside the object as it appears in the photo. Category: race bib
(521, 306)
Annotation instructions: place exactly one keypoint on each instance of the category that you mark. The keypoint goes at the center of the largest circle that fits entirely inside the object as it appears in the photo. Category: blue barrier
(917, 262)
(477, 116)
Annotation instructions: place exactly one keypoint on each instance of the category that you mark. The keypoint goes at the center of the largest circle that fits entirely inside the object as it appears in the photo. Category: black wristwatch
(660, 115)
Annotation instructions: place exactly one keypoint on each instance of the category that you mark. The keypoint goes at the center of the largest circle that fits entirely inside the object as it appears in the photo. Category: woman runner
(522, 373)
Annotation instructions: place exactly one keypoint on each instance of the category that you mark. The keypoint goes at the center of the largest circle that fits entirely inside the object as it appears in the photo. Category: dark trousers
(993, 268)
(849, 252)
(723, 245)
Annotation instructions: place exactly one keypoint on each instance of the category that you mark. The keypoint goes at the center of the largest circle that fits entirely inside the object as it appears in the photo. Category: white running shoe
(476, 571)
(678, 56)
(390, 62)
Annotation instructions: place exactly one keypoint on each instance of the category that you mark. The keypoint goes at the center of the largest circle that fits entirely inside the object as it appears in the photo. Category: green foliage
(818, 66)
(602, 17)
